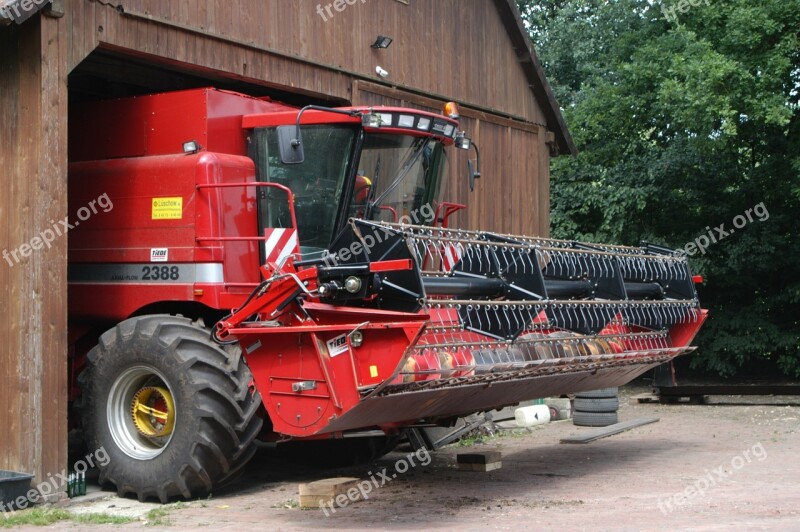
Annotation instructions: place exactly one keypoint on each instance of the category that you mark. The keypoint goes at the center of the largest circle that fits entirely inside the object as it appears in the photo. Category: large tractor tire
(175, 413)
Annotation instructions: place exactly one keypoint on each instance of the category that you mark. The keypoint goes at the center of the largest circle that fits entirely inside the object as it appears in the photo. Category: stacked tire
(596, 408)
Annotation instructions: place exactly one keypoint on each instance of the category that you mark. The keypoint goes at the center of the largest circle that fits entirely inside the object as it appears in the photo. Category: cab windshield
(398, 179)
(317, 183)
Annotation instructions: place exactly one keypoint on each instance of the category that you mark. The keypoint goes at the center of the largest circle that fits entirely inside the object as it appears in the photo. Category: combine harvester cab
(427, 324)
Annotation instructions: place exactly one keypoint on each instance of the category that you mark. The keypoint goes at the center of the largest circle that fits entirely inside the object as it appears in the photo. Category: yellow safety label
(373, 371)
(167, 208)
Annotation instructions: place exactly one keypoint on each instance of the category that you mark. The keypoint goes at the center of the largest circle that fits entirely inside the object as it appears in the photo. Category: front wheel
(174, 413)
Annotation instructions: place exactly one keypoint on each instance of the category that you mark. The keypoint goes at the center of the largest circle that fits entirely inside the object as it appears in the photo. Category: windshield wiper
(404, 170)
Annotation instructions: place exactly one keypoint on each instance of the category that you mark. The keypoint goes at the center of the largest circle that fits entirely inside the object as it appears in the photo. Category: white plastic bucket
(528, 416)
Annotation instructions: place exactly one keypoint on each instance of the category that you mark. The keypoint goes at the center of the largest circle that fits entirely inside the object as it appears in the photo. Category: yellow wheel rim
(153, 411)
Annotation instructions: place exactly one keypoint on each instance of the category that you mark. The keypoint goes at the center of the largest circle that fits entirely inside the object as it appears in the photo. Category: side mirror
(462, 142)
(290, 141)
(290, 145)
(473, 174)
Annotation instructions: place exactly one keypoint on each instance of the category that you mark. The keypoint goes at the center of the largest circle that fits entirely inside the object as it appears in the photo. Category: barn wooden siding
(33, 329)
(442, 50)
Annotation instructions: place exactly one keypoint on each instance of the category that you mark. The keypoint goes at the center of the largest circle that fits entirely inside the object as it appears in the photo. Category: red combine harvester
(273, 273)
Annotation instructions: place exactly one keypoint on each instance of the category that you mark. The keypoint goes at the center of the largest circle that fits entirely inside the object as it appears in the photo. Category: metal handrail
(289, 194)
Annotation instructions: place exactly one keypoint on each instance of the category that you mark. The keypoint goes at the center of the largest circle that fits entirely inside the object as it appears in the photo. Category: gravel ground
(731, 464)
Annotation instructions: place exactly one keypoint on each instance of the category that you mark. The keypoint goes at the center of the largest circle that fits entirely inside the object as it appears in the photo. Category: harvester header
(437, 322)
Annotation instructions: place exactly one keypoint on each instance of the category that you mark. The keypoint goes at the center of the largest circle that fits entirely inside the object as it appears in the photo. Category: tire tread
(226, 411)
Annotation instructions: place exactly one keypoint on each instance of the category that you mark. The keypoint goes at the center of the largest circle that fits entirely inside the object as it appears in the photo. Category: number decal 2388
(160, 273)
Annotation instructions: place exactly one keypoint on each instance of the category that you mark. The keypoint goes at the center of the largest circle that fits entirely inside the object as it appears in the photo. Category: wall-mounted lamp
(381, 42)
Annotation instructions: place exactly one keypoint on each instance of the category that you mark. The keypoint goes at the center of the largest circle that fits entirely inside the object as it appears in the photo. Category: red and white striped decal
(280, 244)
(451, 254)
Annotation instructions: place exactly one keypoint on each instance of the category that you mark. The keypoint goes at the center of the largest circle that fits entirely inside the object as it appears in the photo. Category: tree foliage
(682, 125)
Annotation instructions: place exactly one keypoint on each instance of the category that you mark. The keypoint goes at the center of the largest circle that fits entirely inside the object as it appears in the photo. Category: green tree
(682, 125)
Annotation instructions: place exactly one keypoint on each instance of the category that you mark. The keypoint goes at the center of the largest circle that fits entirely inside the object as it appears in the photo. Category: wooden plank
(485, 457)
(26, 341)
(52, 196)
(610, 430)
(480, 468)
(338, 492)
(543, 185)
(9, 356)
(480, 462)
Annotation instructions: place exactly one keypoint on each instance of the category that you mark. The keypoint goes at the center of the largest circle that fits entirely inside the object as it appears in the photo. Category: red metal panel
(682, 334)
(138, 126)
(127, 232)
(159, 124)
(322, 354)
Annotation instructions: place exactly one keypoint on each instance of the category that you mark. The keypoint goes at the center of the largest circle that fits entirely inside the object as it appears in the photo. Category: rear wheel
(174, 412)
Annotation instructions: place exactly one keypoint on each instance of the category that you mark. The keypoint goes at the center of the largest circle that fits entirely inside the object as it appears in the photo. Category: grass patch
(290, 504)
(34, 517)
(47, 516)
(480, 437)
(158, 517)
(473, 438)
(101, 519)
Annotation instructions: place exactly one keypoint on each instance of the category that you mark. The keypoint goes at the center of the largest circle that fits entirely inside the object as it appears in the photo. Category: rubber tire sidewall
(608, 404)
(594, 419)
(193, 460)
(602, 393)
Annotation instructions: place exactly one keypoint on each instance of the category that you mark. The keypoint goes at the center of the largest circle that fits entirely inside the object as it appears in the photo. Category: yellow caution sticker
(167, 208)
(373, 371)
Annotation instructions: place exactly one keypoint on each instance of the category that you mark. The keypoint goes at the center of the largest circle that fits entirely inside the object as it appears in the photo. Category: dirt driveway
(728, 465)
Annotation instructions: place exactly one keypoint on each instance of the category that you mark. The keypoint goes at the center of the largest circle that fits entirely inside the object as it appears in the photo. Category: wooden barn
(301, 52)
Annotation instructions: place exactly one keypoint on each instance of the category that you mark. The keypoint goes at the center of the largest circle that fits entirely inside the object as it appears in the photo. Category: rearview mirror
(473, 175)
(463, 142)
(290, 145)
